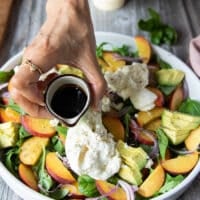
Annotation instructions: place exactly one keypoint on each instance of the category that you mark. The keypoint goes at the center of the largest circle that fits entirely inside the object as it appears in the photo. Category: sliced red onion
(185, 89)
(3, 86)
(183, 151)
(105, 195)
(128, 58)
(64, 159)
(129, 189)
(49, 191)
(135, 129)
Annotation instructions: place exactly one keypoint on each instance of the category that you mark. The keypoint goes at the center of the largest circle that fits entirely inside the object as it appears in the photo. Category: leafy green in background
(160, 33)
(191, 107)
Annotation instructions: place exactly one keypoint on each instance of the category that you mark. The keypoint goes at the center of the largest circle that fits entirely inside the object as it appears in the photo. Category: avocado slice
(132, 155)
(179, 121)
(169, 77)
(176, 136)
(8, 134)
(131, 175)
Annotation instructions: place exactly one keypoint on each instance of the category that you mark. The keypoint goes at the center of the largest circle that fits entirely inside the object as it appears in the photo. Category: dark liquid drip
(68, 101)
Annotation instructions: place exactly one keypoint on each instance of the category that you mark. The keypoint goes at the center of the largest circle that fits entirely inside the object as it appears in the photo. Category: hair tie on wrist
(33, 67)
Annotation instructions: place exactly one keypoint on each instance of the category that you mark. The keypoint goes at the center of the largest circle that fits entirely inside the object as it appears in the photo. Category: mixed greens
(148, 141)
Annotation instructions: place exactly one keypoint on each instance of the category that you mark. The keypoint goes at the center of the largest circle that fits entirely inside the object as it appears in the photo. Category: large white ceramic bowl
(117, 40)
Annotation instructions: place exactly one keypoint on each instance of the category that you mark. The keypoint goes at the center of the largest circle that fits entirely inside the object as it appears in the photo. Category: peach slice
(113, 63)
(144, 117)
(28, 177)
(153, 182)
(114, 126)
(31, 150)
(38, 126)
(176, 98)
(144, 48)
(74, 191)
(9, 115)
(181, 164)
(153, 125)
(106, 188)
(57, 170)
(193, 140)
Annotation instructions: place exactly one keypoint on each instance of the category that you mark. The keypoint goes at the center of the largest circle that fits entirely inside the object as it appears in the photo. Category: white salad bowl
(116, 40)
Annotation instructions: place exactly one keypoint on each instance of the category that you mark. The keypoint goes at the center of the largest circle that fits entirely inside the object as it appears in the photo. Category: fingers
(29, 107)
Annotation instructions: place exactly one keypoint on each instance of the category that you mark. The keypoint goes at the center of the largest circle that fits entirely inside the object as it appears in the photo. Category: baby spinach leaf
(162, 142)
(5, 76)
(44, 180)
(166, 89)
(15, 107)
(11, 160)
(87, 186)
(57, 145)
(170, 183)
(163, 64)
(99, 49)
(191, 107)
(23, 134)
(59, 194)
(62, 129)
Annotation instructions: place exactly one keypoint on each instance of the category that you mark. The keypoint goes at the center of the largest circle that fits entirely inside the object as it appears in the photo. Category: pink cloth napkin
(194, 54)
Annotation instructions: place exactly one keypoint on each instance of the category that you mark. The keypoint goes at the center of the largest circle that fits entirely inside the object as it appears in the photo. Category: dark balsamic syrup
(68, 101)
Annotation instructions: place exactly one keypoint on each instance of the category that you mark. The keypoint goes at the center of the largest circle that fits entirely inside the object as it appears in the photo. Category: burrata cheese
(90, 149)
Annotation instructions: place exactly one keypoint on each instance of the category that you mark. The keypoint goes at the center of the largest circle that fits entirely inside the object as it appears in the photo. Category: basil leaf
(5, 76)
(87, 186)
(57, 145)
(156, 36)
(154, 15)
(170, 183)
(191, 107)
(62, 129)
(114, 180)
(162, 142)
(124, 50)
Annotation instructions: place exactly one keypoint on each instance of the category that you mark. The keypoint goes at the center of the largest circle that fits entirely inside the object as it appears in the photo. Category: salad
(143, 143)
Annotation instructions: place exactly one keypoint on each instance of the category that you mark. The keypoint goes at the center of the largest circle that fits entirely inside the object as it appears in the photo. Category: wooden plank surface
(184, 15)
(5, 9)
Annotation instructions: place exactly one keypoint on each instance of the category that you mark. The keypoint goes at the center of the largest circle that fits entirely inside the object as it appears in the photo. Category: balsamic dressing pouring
(67, 98)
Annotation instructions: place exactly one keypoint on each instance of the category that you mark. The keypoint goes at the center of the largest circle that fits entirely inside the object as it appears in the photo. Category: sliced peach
(105, 188)
(176, 98)
(181, 164)
(143, 47)
(38, 126)
(144, 117)
(153, 125)
(28, 177)
(9, 115)
(57, 170)
(31, 150)
(114, 126)
(74, 191)
(152, 183)
(192, 142)
(113, 63)
(160, 97)
(102, 64)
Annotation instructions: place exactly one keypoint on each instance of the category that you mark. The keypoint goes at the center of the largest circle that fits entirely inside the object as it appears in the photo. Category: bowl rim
(20, 188)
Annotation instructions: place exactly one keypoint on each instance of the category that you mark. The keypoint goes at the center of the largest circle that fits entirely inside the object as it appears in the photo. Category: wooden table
(28, 15)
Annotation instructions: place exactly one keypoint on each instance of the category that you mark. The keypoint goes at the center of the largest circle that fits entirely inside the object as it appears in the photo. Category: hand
(66, 37)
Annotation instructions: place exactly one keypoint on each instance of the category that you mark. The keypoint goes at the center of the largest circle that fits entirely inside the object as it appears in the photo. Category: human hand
(66, 37)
